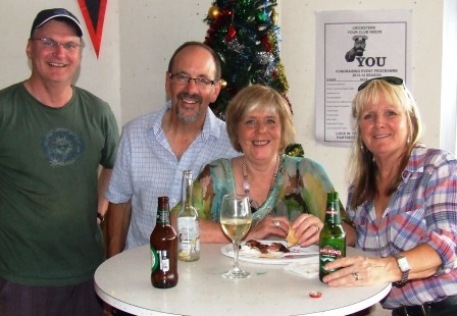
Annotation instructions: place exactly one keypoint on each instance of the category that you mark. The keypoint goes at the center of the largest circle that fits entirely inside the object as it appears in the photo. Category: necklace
(247, 187)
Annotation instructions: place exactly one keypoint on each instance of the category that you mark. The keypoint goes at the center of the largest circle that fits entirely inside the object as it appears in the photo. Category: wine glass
(235, 220)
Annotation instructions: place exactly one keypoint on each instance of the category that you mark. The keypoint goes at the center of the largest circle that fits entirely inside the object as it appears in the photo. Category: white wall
(101, 76)
(150, 31)
(140, 35)
(449, 78)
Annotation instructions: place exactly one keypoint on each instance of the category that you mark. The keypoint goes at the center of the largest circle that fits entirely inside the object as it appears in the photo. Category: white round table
(124, 282)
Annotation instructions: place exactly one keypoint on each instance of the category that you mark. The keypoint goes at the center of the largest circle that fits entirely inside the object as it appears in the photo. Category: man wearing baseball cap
(56, 14)
(54, 137)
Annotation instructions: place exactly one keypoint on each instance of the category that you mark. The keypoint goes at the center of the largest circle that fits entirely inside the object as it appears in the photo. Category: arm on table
(420, 268)
(379, 270)
(211, 232)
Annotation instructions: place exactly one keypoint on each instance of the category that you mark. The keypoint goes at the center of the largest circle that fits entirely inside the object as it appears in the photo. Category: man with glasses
(53, 139)
(156, 148)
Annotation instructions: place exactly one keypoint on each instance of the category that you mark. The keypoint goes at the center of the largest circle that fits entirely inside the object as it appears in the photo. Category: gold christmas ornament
(223, 83)
(214, 12)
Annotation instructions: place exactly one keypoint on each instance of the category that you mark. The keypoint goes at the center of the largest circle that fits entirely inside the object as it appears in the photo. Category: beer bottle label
(331, 253)
(328, 254)
(162, 217)
(154, 259)
(164, 261)
(160, 260)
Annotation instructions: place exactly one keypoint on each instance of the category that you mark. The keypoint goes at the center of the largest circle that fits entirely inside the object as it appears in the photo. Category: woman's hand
(307, 228)
(354, 271)
(358, 271)
(270, 226)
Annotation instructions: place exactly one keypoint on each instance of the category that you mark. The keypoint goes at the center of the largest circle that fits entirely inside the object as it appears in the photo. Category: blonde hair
(361, 165)
(259, 97)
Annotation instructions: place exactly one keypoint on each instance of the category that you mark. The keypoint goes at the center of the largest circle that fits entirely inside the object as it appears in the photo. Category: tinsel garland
(245, 36)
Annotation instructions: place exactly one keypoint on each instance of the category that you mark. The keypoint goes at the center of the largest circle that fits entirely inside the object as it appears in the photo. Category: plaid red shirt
(423, 210)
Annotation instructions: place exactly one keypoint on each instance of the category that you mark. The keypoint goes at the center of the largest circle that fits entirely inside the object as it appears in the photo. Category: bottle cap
(162, 202)
(332, 196)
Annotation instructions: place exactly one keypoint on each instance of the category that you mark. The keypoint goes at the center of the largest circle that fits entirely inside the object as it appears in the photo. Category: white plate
(252, 256)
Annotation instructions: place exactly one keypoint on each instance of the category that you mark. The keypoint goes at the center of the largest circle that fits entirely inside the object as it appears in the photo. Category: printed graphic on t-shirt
(62, 147)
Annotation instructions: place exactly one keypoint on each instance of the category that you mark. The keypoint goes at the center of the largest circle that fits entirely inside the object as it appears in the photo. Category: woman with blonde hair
(403, 203)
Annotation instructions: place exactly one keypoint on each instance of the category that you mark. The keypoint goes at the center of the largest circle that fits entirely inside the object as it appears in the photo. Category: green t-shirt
(49, 160)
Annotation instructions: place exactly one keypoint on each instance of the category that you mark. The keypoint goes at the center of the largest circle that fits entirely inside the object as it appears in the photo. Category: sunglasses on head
(389, 79)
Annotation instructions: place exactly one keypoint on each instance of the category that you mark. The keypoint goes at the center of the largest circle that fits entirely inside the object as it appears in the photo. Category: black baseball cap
(47, 15)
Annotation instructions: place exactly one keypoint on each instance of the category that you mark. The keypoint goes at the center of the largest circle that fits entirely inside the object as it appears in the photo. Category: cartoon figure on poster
(358, 49)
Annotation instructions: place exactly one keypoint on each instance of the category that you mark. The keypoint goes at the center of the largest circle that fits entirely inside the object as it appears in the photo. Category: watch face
(404, 267)
(403, 264)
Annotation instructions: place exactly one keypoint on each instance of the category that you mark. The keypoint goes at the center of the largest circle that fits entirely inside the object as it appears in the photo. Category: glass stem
(236, 249)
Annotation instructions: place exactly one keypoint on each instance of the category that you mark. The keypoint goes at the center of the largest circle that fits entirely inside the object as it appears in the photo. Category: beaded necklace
(247, 187)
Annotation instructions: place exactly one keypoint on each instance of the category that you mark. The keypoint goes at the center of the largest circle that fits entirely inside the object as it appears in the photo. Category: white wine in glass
(235, 220)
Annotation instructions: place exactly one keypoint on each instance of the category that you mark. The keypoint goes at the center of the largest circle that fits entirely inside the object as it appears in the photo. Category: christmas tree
(245, 36)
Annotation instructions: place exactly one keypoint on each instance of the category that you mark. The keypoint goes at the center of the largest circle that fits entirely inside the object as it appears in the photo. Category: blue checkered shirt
(146, 168)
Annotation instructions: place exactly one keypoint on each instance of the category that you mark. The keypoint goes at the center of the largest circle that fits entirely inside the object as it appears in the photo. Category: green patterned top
(301, 187)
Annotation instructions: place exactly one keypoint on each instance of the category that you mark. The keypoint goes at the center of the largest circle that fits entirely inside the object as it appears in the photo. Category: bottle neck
(187, 186)
(163, 216)
(163, 210)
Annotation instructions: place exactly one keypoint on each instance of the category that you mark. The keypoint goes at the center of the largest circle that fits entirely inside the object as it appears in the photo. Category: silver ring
(276, 223)
(317, 228)
(356, 276)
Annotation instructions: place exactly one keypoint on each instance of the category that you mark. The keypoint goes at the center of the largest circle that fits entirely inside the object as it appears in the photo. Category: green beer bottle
(332, 239)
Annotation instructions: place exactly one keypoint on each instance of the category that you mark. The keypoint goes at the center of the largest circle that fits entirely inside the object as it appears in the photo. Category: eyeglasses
(183, 79)
(52, 45)
(389, 79)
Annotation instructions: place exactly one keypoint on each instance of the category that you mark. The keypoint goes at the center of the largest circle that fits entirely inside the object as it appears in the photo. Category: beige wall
(140, 35)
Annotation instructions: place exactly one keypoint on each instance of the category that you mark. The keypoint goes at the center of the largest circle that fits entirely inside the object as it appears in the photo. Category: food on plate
(290, 238)
(266, 250)
(275, 249)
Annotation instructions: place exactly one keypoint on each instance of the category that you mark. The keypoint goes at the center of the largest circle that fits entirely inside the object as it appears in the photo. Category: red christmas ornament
(231, 33)
(228, 13)
(266, 43)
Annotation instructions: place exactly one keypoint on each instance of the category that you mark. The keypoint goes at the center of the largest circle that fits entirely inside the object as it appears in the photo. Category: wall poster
(351, 47)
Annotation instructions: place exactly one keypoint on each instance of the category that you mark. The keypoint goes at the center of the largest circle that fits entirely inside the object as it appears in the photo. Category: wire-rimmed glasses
(53, 45)
(182, 79)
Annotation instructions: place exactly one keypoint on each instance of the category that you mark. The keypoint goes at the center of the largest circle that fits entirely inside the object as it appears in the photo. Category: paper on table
(309, 268)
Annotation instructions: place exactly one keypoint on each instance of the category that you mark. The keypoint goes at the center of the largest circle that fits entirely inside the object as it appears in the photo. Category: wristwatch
(404, 267)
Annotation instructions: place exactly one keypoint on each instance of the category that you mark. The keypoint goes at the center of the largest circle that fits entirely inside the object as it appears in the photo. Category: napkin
(307, 267)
